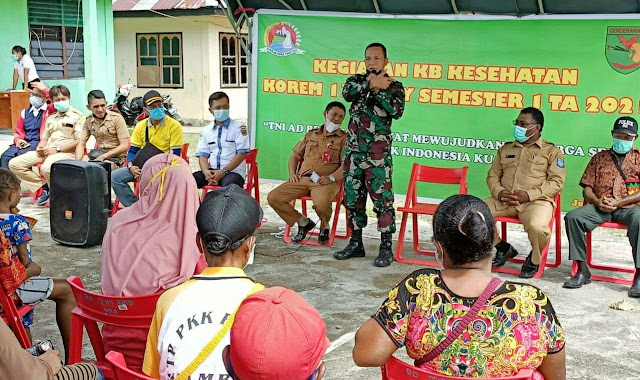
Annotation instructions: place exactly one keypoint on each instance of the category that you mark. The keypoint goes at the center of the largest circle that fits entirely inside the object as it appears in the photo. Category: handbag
(208, 349)
(95, 153)
(462, 325)
(149, 150)
(632, 186)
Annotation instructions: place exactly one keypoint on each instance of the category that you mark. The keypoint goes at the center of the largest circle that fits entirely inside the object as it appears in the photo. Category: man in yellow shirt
(159, 130)
(182, 325)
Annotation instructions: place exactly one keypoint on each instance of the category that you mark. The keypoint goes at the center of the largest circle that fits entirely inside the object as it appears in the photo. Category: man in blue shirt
(222, 148)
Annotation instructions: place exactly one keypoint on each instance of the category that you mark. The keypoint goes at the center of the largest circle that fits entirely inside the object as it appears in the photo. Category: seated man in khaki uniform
(58, 142)
(321, 152)
(525, 176)
(108, 128)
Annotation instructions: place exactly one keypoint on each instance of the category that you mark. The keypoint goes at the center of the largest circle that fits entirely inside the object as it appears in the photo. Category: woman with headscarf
(151, 246)
(461, 321)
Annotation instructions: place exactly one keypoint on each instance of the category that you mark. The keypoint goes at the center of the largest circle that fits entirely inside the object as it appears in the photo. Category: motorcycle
(129, 111)
(134, 112)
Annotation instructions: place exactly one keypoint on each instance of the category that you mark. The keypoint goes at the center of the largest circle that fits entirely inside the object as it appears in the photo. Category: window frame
(159, 59)
(239, 55)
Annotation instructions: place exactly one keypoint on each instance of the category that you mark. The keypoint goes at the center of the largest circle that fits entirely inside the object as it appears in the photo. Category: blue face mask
(14, 57)
(36, 101)
(622, 146)
(61, 106)
(221, 115)
(520, 133)
(156, 113)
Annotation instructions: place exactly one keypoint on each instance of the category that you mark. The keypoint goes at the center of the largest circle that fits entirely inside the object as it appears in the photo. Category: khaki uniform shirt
(63, 128)
(537, 169)
(312, 147)
(108, 132)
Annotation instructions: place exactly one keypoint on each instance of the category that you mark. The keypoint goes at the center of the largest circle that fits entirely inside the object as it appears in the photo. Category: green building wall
(99, 56)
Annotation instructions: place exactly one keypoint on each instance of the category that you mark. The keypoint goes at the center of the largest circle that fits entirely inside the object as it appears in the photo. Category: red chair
(333, 234)
(184, 152)
(430, 174)
(612, 268)
(252, 185)
(395, 369)
(120, 370)
(12, 315)
(556, 220)
(93, 308)
(116, 204)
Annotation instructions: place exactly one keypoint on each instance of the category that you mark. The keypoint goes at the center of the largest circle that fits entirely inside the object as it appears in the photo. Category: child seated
(19, 274)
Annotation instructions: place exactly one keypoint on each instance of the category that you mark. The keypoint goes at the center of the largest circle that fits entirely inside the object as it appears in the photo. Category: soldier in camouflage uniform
(376, 99)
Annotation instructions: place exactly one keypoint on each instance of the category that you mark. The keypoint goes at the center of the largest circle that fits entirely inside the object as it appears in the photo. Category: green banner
(465, 81)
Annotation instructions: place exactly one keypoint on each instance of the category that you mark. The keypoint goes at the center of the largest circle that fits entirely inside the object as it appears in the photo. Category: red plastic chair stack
(12, 315)
(184, 152)
(252, 185)
(430, 174)
(120, 370)
(555, 220)
(395, 369)
(93, 308)
(612, 268)
(333, 233)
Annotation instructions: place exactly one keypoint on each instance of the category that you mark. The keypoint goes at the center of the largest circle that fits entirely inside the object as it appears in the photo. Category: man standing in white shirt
(223, 147)
(24, 68)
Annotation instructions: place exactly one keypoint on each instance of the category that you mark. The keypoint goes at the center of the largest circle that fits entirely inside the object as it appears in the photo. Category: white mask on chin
(252, 253)
(330, 125)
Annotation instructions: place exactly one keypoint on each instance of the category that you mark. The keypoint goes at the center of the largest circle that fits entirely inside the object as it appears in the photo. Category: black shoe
(323, 238)
(634, 292)
(502, 256)
(43, 198)
(529, 269)
(303, 231)
(385, 255)
(354, 249)
(577, 281)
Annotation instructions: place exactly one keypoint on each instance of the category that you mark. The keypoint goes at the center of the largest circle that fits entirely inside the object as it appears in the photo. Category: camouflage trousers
(364, 175)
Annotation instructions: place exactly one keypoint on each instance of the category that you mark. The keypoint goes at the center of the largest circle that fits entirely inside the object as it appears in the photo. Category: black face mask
(369, 72)
(99, 118)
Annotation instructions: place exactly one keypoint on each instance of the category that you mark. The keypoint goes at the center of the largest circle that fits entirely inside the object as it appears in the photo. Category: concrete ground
(602, 343)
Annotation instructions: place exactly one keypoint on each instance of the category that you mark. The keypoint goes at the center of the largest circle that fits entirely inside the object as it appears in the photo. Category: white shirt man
(222, 148)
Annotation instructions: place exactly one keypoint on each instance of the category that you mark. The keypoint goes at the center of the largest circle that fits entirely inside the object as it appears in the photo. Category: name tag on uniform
(325, 157)
(67, 125)
(510, 156)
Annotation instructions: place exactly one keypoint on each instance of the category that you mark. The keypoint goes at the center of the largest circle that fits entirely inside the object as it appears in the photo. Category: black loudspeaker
(106, 164)
(79, 208)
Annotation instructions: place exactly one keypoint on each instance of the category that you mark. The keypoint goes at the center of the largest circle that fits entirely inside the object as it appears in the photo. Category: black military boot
(385, 255)
(354, 249)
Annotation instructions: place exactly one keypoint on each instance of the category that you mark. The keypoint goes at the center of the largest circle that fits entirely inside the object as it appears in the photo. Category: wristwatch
(58, 149)
(332, 178)
(226, 171)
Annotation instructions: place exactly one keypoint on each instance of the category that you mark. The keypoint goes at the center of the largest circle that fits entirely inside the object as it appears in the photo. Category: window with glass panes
(56, 38)
(233, 61)
(159, 59)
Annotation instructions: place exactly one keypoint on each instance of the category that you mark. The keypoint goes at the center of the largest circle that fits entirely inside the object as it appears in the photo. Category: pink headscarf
(151, 245)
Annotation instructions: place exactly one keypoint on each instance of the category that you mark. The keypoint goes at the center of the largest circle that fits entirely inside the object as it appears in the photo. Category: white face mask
(252, 253)
(330, 125)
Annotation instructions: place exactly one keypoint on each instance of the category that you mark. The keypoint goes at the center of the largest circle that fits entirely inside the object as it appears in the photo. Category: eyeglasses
(521, 123)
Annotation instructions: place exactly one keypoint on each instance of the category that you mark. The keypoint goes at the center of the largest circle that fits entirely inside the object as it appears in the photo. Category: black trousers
(226, 180)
